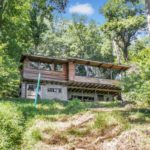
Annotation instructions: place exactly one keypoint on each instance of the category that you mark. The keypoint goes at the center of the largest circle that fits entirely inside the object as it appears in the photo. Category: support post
(37, 91)
(82, 95)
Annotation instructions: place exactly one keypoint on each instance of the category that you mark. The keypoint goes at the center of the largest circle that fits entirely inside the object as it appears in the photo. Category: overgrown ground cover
(68, 125)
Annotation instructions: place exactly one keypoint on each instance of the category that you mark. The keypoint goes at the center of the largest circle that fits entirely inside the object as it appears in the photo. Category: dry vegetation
(56, 126)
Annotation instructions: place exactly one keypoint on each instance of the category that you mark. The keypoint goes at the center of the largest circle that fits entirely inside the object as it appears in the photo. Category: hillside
(73, 125)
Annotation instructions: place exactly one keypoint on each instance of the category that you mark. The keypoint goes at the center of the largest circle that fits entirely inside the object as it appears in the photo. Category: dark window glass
(45, 66)
(58, 67)
(80, 70)
(59, 90)
(55, 90)
(31, 87)
(116, 75)
(90, 71)
(34, 65)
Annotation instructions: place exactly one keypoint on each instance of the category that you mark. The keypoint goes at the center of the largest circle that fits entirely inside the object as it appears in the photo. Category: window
(34, 65)
(100, 97)
(116, 75)
(90, 71)
(80, 70)
(31, 87)
(58, 67)
(45, 66)
(54, 90)
(84, 98)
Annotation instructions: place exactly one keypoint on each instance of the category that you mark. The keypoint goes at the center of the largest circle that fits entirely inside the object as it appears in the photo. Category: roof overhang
(99, 64)
(74, 60)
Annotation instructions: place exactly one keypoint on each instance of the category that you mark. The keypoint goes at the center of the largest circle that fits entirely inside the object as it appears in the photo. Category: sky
(89, 8)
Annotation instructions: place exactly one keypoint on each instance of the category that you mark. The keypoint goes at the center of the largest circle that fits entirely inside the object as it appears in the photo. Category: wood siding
(68, 74)
(29, 73)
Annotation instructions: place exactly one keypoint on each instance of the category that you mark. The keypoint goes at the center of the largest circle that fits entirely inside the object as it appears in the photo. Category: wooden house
(70, 78)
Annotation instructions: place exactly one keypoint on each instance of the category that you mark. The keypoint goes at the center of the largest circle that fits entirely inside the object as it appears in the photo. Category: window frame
(53, 66)
(54, 90)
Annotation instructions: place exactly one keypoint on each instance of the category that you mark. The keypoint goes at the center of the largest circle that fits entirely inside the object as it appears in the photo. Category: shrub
(10, 126)
(74, 106)
(31, 135)
(36, 134)
(79, 132)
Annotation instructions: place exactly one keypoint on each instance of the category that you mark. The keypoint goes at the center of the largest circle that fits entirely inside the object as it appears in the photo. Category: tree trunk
(147, 2)
(117, 52)
(125, 54)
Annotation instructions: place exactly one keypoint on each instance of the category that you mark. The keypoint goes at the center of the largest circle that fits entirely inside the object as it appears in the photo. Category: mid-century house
(70, 78)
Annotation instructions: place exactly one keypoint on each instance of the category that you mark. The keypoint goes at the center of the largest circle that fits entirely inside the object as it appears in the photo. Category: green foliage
(9, 77)
(76, 39)
(74, 106)
(137, 83)
(106, 120)
(78, 132)
(36, 135)
(125, 19)
(41, 10)
(11, 121)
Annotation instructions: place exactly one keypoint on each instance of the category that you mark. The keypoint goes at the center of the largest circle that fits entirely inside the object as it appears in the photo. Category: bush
(10, 126)
(74, 106)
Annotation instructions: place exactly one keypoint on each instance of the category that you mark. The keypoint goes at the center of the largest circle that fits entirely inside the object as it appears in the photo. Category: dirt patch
(92, 141)
(129, 140)
(73, 134)
(56, 139)
(76, 121)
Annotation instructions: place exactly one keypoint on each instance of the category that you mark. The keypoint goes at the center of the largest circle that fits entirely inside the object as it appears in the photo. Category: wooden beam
(83, 88)
(100, 65)
(88, 63)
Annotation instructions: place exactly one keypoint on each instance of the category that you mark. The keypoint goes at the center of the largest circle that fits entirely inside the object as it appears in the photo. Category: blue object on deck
(37, 90)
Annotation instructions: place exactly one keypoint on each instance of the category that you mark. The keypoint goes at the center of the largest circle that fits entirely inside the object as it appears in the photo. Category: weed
(36, 134)
(105, 120)
(79, 132)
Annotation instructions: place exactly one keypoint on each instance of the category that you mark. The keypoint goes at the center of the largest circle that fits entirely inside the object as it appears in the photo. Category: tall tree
(41, 10)
(147, 2)
(124, 19)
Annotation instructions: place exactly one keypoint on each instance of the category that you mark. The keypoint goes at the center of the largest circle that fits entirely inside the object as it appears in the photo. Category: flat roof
(75, 60)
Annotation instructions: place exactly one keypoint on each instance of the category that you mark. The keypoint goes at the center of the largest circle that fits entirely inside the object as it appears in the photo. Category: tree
(41, 10)
(147, 2)
(21, 25)
(86, 40)
(124, 19)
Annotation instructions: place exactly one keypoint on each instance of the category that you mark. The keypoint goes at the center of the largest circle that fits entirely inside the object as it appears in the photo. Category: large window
(58, 67)
(98, 72)
(80, 70)
(46, 66)
(34, 65)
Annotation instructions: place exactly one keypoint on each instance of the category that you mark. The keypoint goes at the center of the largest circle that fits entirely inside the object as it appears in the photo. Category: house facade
(66, 79)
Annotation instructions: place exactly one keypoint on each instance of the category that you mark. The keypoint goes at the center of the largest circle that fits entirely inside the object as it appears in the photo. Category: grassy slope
(28, 126)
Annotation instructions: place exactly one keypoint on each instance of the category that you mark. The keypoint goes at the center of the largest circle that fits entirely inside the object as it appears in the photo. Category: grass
(11, 126)
(79, 133)
(17, 117)
(105, 120)
(22, 126)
